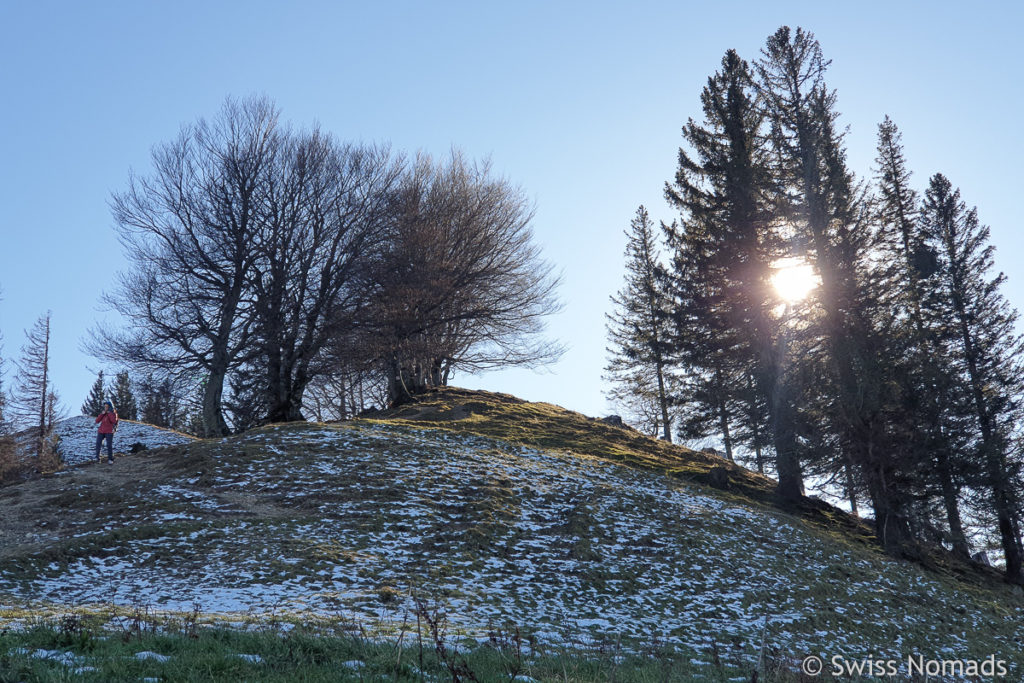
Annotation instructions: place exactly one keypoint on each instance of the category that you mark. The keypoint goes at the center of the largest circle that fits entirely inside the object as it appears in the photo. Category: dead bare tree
(35, 404)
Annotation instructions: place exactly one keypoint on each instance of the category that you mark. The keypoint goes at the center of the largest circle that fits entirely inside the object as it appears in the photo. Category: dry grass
(12, 467)
(18, 460)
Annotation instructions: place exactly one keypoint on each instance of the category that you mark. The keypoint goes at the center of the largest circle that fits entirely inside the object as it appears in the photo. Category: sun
(793, 279)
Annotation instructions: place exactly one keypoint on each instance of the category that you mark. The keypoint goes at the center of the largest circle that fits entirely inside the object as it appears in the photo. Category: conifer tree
(699, 338)
(637, 329)
(827, 211)
(246, 402)
(966, 297)
(123, 397)
(929, 382)
(723, 269)
(93, 405)
(160, 405)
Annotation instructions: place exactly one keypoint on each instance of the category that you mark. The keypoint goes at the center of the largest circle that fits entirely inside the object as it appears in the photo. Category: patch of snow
(78, 438)
(560, 543)
(155, 656)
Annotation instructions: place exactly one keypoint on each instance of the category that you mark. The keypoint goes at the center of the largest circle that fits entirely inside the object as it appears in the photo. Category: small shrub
(12, 466)
(388, 594)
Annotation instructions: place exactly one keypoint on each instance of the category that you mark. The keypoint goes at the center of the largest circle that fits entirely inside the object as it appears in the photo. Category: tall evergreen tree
(724, 266)
(97, 396)
(246, 404)
(123, 397)
(830, 223)
(928, 381)
(966, 297)
(637, 329)
(699, 338)
(160, 405)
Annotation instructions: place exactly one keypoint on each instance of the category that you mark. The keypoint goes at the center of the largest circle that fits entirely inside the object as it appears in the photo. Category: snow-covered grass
(318, 522)
(77, 435)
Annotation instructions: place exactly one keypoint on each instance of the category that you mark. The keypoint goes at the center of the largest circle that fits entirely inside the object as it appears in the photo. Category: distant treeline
(897, 379)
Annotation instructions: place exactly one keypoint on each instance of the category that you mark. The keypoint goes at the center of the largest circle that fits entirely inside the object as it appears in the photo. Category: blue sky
(580, 103)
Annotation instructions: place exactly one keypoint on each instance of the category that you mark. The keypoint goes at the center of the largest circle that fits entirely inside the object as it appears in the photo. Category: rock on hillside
(348, 520)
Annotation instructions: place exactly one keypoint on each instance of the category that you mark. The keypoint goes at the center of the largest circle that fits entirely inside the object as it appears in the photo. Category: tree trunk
(851, 490)
(398, 391)
(780, 412)
(949, 497)
(787, 455)
(723, 414)
(213, 417)
(891, 525)
(436, 373)
(663, 400)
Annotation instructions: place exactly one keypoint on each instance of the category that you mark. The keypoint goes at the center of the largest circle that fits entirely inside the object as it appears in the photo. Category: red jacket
(108, 422)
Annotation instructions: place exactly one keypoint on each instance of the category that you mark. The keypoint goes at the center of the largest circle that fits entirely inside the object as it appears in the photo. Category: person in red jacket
(107, 421)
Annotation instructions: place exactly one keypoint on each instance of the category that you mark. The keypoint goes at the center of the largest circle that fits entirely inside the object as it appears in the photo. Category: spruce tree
(637, 330)
(723, 267)
(928, 380)
(827, 212)
(160, 405)
(93, 405)
(123, 397)
(699, 338)
(246, 403)
(966, 300)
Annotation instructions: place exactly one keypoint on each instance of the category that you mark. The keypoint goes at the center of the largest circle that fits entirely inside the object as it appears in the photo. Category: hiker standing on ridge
(108, 425)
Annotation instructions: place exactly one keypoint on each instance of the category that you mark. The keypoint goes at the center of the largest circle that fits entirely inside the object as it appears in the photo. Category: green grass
(82, 648)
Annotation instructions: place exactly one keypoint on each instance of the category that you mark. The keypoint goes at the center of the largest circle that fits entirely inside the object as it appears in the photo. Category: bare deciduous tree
(461, 284)
(325, 211)
(265, 260)
(189, 230)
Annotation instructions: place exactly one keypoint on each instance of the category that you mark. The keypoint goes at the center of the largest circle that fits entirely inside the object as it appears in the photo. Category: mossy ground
(504, 511)
(547, 426)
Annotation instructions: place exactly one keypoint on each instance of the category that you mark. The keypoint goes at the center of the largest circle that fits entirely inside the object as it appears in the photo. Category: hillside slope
(77, 438)
(569, 528)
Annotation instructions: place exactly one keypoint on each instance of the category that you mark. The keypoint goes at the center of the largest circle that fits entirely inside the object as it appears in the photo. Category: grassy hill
(501, 515)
